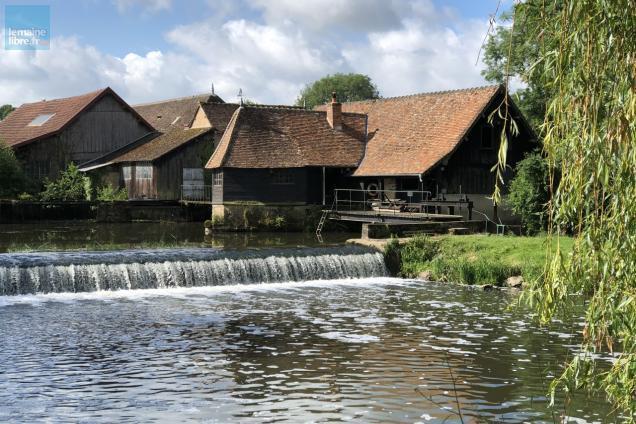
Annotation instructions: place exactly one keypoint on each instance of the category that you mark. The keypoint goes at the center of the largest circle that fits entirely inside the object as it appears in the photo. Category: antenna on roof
(240, 96)
(212, 88)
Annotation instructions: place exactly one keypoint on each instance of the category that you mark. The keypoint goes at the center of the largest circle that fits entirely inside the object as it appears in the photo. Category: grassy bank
(472, 259)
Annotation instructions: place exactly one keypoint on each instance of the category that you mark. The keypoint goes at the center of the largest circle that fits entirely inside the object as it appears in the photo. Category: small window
(218, 178)
(143, 172)
(126, 172)
(487, 135)
(282, 176)
(40, 119)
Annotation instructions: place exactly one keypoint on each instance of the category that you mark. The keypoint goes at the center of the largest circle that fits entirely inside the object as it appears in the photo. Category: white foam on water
(185, 292)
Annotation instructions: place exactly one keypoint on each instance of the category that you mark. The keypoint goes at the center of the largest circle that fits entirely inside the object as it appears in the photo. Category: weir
(53, 272)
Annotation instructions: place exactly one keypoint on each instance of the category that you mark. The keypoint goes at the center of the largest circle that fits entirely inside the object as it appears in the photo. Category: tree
(529, 193)
(586, 65)
(5, 110)
(11, 174)
(519, 59)
(72, 185)
(349, 87)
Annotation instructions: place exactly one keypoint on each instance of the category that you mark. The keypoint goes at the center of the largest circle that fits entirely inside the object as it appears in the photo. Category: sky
(148, 50)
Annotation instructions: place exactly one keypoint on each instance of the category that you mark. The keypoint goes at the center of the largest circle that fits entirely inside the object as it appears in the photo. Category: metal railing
(196, 193)
(397, 202)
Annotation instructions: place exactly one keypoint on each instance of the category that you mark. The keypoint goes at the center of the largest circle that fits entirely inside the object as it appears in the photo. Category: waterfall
(26, 273)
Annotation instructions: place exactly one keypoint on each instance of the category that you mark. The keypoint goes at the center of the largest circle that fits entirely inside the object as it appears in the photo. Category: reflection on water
(351, 350)
(92, 236)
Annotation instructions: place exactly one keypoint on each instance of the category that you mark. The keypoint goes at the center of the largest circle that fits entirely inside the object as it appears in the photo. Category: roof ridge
(94, 92)
(283, 107)
(427, 93)
(157, 102)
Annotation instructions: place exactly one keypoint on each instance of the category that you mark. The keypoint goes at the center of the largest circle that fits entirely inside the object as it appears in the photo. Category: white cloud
(150, 6)
(427, 48)
(353, 15)
(420, 58)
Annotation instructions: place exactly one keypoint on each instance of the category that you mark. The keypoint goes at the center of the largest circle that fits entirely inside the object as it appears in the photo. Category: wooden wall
(169, 169)
(261, 185)
(106, 126)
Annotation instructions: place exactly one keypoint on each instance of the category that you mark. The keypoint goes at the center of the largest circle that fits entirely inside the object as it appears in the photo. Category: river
(361, 350)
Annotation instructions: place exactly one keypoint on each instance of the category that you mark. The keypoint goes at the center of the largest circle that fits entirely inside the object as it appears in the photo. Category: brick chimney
(334, 113)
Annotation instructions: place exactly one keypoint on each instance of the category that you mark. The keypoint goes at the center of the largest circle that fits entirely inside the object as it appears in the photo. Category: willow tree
(588, 63)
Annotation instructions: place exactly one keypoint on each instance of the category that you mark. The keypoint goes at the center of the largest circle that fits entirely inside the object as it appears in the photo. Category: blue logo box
(27, 27)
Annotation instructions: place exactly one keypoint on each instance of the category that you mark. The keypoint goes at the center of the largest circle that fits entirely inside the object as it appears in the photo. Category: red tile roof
(409, 135)
(172, 114)
(15, 129)
(219, 114)
(161, 145)
(283, 137)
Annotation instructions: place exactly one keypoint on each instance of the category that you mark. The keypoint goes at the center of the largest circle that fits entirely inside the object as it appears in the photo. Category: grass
(474, 259)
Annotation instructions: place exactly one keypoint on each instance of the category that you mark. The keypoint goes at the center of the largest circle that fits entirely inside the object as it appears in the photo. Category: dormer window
(40, 120)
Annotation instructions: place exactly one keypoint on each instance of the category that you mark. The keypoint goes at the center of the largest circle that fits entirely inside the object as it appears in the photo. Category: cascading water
(140, 269)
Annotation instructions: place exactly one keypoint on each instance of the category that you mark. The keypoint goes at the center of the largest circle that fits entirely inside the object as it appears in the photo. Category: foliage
(474, 259)
(517, 59)
(72, 185)
(108, 193)
(272, 222)
(12, 180)
(5, 110)
(587, 64)
(529, 192)
(26, 196)
(349, 87)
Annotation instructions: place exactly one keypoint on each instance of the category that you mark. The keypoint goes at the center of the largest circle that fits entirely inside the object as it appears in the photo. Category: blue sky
(153, 49)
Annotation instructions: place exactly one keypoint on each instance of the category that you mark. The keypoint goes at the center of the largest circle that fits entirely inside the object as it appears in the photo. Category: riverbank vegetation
(586, 65)
(472, 259)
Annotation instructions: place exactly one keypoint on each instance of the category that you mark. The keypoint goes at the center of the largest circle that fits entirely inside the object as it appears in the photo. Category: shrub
(26, 196)
(12, 179)
(529, 192)
(72, 185)
(108, 193)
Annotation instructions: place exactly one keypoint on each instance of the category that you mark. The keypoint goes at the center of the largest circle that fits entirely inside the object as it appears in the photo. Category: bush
(108, 193)
(12, 179)
(72, 185)
(529, 192)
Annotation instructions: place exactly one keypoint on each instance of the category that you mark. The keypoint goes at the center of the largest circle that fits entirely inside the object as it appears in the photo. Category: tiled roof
(174, 113)
(283, 137)
(161, 145)
(15, 129)
(219, 114)
(409, 135)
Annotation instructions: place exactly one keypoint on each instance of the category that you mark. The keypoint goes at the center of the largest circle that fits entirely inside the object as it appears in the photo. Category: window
(143, 172)
(282, 176)
(40, 119)
(487, 135)
(218, 178)
(126, 172)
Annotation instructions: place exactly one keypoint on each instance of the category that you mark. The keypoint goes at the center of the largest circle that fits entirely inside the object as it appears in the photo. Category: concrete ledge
(384, 230)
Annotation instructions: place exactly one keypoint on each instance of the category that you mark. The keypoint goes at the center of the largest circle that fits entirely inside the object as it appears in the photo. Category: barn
(280, 155)
(439, 146)
(50, 134)
(169, 164)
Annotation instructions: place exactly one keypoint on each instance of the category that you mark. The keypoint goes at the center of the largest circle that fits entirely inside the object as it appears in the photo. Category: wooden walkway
(391, 217)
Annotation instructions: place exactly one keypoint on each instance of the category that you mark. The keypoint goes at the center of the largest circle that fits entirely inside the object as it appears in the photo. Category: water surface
(89, 235)
(349, 350)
